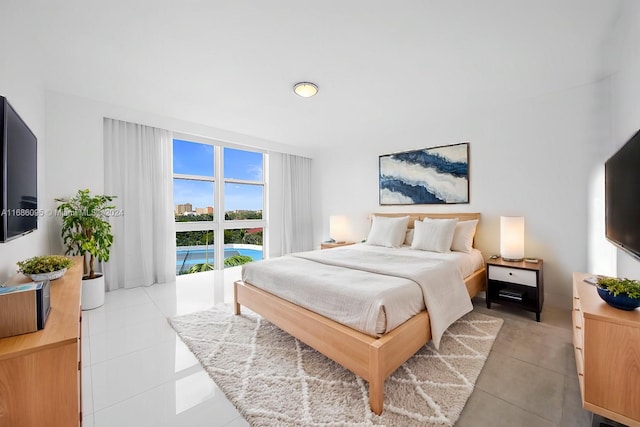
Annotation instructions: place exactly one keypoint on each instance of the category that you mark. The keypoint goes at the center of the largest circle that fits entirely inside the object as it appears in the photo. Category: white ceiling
(380, 65)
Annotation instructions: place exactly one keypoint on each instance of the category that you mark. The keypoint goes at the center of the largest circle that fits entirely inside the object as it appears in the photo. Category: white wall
(21, 84)
(531, 158)
(625, 102)
(75, 152)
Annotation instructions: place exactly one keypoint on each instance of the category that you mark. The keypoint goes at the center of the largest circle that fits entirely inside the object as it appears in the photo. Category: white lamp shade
(512, 238)
(338, 227)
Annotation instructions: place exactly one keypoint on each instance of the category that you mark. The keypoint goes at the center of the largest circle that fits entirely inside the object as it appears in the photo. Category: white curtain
(138, 171)
(297, 224)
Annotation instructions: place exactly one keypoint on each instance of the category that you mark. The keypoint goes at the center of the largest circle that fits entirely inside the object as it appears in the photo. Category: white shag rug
(275, 380)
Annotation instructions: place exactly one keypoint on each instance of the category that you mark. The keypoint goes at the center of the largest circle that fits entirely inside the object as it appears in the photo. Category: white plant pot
(93, 292)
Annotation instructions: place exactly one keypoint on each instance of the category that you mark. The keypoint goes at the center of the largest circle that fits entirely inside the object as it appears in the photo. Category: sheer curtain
(297, 225)
(138, 171)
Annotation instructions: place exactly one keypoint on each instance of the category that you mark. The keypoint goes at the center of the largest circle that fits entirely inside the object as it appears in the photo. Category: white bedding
(371, 289)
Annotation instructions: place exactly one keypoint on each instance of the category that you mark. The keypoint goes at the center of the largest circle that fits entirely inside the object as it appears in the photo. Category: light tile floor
(137, 372)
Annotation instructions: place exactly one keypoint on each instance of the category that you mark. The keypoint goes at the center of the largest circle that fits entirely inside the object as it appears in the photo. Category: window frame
(219, 224)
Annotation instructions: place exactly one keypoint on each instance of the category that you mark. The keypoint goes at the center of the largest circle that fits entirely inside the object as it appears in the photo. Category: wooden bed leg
(376, 381)
(376, 395)
(236, 305)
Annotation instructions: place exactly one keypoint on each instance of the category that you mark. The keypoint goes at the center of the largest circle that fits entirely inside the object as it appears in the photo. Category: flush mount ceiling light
(305, 89)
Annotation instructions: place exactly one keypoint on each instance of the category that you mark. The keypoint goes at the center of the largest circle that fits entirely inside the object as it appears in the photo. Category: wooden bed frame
(373, 359)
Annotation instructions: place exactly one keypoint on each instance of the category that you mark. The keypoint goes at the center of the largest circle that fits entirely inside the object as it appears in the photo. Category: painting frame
(428, 176)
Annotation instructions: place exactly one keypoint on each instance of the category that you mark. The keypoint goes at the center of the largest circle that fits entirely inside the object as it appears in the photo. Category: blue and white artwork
(438, 175)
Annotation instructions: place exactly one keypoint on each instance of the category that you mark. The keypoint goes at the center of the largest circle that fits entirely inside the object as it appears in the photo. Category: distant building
(181, 209)
(202, 211)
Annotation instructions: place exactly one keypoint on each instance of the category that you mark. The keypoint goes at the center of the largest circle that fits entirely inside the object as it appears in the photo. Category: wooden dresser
(607, 349)
(40, 372)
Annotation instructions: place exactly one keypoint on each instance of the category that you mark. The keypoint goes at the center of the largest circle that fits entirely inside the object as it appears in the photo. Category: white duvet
(370, 288)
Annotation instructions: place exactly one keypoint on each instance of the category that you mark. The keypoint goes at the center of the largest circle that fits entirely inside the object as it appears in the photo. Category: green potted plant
(86, 231)
(619, 293)
(46, 267)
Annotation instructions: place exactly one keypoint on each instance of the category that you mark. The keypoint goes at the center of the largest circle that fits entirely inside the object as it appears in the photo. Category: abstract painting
(437, 175)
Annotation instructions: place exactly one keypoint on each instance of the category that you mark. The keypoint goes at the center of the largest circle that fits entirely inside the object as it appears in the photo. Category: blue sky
(198, 159)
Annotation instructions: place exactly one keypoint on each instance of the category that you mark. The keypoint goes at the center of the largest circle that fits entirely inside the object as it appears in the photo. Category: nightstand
(326, 245)
(515, 283)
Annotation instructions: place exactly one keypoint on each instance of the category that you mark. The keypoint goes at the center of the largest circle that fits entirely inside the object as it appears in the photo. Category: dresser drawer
(577, 318)
(580, 370)
(513, 275)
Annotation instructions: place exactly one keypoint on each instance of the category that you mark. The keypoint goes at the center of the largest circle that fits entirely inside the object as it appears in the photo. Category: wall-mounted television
(19, 175)
(622, 197)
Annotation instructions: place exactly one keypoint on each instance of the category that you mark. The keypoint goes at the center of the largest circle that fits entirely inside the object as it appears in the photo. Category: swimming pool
(185, 258)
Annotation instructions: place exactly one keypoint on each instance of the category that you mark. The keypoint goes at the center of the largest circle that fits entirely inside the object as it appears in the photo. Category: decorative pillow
(463, 236)
(434, 235)
(408, 237)
(387, 231)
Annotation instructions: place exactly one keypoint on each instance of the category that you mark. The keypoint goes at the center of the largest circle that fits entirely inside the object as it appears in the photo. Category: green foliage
(620, 286)
(44, 264)
(85, 226)
(240, 235)
(242, 214)
(191, 218)
(194, 238)
(205, 266)
(199, 238)
(231, 261)
(197, 268)
(235, 260)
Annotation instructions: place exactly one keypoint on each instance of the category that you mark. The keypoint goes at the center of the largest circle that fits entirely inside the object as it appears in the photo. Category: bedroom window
(193, 181)
(218, 191)
(243, 198)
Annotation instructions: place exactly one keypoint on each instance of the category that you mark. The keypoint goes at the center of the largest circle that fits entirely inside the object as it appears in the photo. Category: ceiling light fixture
(305, 89)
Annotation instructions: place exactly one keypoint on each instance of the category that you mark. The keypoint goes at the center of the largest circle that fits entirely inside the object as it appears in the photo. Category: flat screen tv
(18, 180)
(622, 197)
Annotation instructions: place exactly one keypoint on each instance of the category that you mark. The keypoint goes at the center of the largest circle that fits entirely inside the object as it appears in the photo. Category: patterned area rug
(274, 379)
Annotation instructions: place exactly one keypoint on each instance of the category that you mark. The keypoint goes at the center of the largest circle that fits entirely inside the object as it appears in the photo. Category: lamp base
(512, 259)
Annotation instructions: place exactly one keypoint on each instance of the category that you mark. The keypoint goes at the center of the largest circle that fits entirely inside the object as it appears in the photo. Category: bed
(373, 358)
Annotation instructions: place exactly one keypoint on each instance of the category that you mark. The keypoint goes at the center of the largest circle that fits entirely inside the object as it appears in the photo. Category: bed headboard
(418, 216)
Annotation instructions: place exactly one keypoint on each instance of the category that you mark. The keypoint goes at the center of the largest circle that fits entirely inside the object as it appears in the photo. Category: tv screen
(622, 197)
(18, 180)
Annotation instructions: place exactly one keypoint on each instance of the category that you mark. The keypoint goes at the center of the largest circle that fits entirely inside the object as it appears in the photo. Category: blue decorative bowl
(622, 301)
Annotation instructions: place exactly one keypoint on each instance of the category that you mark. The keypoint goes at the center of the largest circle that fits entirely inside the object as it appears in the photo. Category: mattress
(366, 294)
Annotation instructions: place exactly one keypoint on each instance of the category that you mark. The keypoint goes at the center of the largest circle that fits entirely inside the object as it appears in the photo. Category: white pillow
(387, 231)
(408, 237)
(434, 235)
(463, 236)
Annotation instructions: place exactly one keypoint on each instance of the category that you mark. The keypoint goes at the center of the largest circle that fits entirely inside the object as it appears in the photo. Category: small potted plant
(619, 293)
(86, 231)
(46, 267)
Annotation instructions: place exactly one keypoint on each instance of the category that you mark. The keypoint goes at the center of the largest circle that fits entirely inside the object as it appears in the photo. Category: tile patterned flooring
(137, 372)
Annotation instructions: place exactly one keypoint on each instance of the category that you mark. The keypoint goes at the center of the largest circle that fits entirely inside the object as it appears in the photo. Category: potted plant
(86, 231)
(619, 293)
(46, 267)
